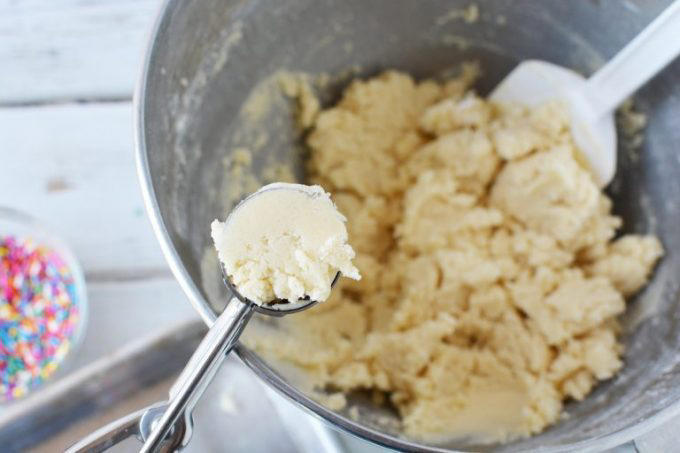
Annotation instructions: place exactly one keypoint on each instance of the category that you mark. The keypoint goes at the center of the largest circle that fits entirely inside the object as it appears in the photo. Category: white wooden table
(67, 71)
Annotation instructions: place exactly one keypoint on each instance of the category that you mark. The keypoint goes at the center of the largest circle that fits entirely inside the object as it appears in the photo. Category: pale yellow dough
(286, 241)
(491, 280)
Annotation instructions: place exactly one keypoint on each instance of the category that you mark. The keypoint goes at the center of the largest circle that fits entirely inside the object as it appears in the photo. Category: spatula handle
(656, 46)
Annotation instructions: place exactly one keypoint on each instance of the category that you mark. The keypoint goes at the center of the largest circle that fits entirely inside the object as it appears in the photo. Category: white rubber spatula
(592, 101)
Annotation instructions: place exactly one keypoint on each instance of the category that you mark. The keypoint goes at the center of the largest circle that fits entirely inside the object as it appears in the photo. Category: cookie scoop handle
(195, 378)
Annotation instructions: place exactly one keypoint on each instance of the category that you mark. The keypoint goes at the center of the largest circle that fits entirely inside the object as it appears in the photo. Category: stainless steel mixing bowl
(207, 55)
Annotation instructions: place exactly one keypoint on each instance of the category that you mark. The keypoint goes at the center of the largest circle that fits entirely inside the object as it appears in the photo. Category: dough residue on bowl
(492, 278)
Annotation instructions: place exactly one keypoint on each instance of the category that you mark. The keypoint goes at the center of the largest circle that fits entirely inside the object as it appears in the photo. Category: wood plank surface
(73, 167)
(71, 49)
(130, 310)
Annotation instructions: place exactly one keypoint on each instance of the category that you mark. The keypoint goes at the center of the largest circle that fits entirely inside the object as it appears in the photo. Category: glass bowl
(23, 227)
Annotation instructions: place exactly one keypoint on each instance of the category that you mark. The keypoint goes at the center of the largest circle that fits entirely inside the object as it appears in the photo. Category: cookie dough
(492, 278)
(286, 241)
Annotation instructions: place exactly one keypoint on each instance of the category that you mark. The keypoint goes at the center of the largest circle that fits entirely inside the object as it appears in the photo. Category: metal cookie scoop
(167, 426)
(204, 363)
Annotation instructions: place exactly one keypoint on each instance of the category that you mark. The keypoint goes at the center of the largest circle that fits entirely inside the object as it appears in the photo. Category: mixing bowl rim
(261, 369)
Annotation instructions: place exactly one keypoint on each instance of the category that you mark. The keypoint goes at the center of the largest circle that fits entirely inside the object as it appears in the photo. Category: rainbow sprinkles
(39, 314)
